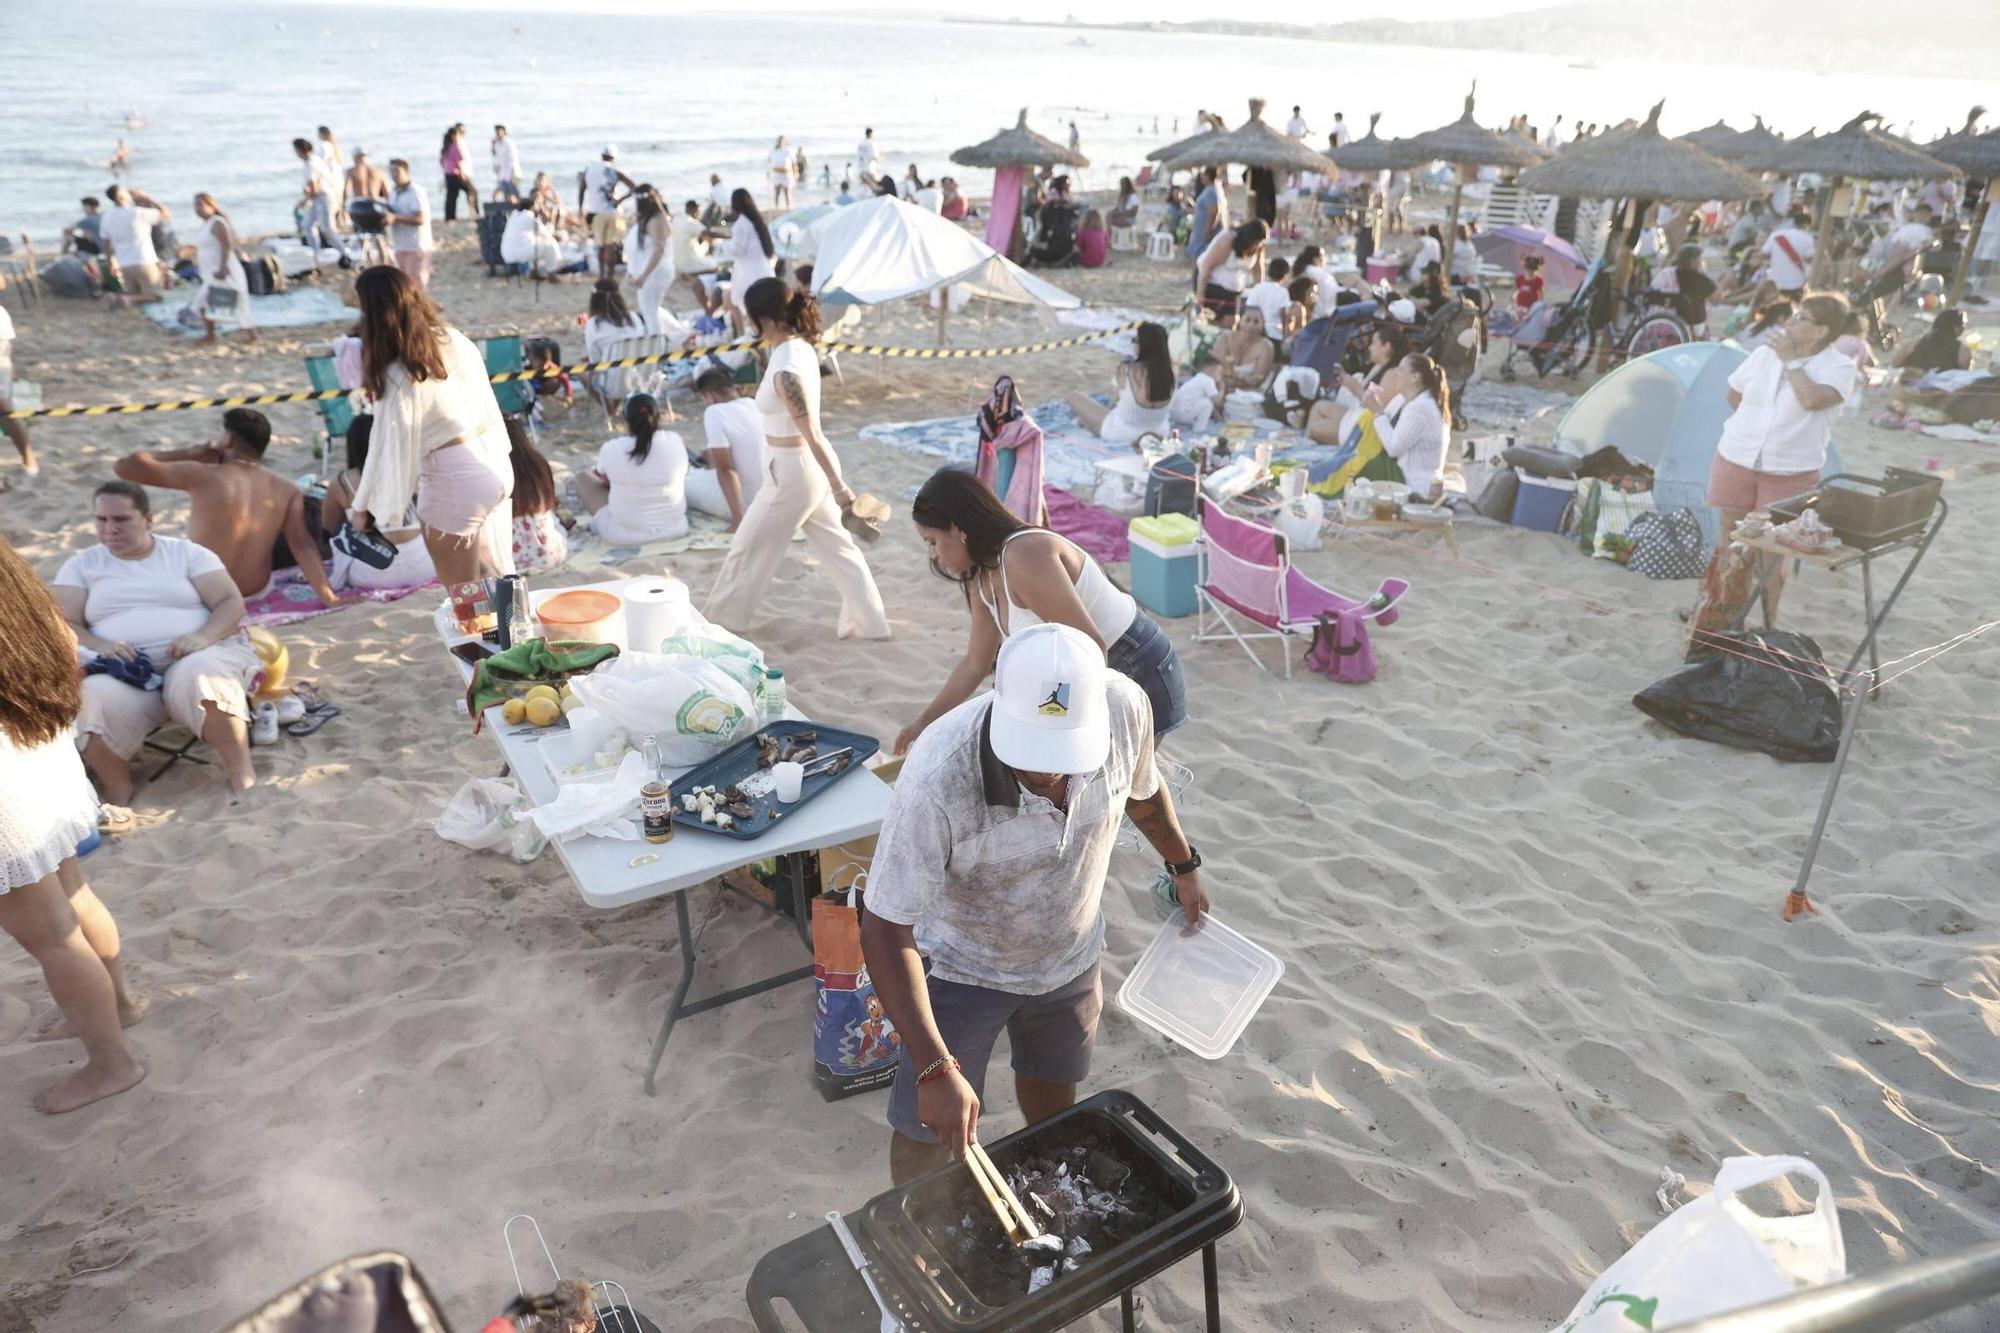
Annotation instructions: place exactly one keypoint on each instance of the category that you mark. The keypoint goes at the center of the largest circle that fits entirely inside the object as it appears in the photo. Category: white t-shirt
(1788, 275)
(797, 356)
(506, 160)
(1341, 133)
(748, 262)
(647, 497)
(600, 188)
(6, 348)
(718, 194)
(737, 427)
(1428, 252)
(319, 177)
(1771, 430)
(1296, 127)
(1329, 289)
(866, 157)
(1909, 239)
(781, 166)
(410, 200)
(1270, 300)
(129, 229)
(523, 234)
(690, 255)
(931, 197)
(599, 335)
(1230, 272)
(1191, 398)
(147, 603)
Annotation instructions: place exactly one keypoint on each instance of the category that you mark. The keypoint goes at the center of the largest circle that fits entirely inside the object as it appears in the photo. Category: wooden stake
(1964, 268)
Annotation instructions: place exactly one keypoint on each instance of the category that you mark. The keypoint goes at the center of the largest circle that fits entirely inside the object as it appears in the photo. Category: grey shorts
(1051, 1036)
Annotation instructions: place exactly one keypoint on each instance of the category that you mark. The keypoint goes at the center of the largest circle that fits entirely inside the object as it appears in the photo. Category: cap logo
(1055, 699)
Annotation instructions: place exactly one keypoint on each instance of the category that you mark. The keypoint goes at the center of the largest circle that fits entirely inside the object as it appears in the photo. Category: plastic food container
(583, 615)
(1200, 989)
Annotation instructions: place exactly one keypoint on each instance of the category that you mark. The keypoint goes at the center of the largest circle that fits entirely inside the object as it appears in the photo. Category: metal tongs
(826, 762)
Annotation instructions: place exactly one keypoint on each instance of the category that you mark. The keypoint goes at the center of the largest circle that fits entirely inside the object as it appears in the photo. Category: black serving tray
(739, 761)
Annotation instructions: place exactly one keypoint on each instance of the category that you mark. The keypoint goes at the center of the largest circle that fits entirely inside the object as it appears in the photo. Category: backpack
(263, 275)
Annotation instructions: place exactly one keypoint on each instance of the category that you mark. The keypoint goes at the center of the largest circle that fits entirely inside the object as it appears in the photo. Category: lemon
(544, 692)
(570, 704)
(565, 692)
(543, 710)
(514, 712)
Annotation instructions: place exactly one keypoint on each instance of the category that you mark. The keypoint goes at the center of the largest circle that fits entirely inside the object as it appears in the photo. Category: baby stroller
(1324, 344)
(1055, 236)
(1526, 332)
(1454, 337)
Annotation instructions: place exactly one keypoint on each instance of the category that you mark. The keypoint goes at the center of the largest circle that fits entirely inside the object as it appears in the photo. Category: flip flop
(310, 695)
(114, 819)
(315, 718)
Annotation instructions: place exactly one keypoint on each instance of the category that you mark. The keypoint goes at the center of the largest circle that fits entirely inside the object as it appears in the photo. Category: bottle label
(656, 811)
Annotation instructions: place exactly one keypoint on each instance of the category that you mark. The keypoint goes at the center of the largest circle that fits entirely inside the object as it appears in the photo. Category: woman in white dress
(650, 259)
(46, 809)
(751, 254)
(1145, 390)
(221, 269)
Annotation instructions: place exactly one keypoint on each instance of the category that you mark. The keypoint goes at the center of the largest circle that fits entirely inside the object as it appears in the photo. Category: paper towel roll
(655, 608)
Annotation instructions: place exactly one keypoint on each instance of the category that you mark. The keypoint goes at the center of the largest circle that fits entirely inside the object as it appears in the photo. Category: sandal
(309, 692)
(316, 717)
(114, 818)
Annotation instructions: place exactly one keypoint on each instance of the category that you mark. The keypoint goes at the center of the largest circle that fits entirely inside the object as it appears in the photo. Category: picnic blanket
(1098, 531)
(295, 308)
(288, 600)
(705, 533)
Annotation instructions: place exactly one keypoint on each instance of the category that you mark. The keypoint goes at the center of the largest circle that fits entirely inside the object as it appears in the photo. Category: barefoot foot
(87, 1085)
(56, 1027)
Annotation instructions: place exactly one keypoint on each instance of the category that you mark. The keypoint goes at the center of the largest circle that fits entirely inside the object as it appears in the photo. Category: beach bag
(262, 274)
(1170, 486)
(1714, 1255)
(1340, 648)
(1668, 544)
(855, 1046)
(1496, 499)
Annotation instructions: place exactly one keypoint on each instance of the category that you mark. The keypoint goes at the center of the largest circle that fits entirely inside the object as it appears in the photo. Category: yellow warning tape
(550, 372)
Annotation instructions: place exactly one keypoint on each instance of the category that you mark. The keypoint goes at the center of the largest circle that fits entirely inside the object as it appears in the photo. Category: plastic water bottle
(774, 694)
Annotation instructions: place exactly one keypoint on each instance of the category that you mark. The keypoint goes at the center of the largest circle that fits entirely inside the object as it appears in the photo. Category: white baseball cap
(1049, 709)
(610, 150)
(1403, 311)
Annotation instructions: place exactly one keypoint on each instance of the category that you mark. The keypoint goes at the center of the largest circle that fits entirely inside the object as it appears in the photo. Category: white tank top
(799, 357)
(1110, 609)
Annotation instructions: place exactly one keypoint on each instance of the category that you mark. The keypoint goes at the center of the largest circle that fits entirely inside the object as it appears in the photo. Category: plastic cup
(788, 777)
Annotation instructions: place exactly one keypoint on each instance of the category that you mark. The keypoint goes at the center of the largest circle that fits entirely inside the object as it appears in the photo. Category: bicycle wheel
(1655, 331)
(1568, 345)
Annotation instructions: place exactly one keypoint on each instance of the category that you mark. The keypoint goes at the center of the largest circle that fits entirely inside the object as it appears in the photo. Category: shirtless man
(237, 508)
(364, 180)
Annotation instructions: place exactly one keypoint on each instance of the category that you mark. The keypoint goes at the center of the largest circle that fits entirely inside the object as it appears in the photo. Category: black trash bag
(1766, 690)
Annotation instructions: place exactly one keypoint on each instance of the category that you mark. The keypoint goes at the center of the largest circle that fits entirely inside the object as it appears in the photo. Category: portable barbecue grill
(1189, 1200)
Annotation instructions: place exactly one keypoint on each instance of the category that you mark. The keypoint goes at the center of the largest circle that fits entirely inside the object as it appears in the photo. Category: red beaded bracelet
(936, 1068)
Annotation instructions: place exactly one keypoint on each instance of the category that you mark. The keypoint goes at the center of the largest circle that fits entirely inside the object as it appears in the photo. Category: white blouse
(414, 417)
(1416, 441)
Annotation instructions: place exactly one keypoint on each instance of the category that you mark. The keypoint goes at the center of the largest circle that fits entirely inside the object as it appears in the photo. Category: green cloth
(537, 662)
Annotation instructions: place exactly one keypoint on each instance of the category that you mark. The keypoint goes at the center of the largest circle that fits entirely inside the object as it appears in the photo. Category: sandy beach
(1532, 940)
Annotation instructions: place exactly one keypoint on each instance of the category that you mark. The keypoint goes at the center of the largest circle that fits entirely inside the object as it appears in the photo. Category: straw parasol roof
(1019, 147)
(1755, 149)
(1639, 163)
(1856, 152)
(1977, 155)
(1713, 139)
(1466, 140)
(1251, 144)
(1369, 153)
(1182, 145)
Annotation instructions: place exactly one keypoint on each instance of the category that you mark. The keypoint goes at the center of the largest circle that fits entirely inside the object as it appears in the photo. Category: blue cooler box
(1163, 563)
(1541, 502)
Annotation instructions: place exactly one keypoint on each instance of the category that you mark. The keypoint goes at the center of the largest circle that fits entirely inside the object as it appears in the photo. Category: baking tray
(1869, 512)
(739, 761)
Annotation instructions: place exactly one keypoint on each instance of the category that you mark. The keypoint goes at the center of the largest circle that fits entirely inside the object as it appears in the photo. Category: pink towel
(1005, 208)
(1024, 489)
(1098, 531)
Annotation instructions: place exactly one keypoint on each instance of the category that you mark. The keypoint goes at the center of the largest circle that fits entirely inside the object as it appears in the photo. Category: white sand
(1532, 941)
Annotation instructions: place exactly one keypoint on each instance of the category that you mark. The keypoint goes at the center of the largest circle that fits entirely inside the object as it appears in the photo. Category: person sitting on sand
(1015, 575)
(1093, 242)
(1299, 311)
(1247, 354)
(1270, 296)
(1142, 388)
(172, 603)
(15, 429)
(1125, 212)
(128, 232)
(1198, 400)
(953, 206)
(252, 518)
(1942, 348)
(731, 469)
(530, 240)
(637, 492)
(1046, 765)
(1412, 404)
(541, 542)
(412, 566)
(85, 236)
(46, 904)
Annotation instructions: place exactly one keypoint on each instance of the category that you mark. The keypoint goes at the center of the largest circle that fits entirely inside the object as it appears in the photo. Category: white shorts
(124, 715)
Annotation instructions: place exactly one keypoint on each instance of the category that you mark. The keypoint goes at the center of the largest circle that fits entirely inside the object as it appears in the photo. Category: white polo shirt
(1771, 430)
(1788, 274)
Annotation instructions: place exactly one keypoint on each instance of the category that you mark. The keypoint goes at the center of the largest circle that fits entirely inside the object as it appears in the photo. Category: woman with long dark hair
(457, 175)
(1416, 400)
(438, 432)
(749, 249)
(46, 808)
(637, 492)
(803, 488)
(1142, 390)
(540, 540)
(649, 255)
(1014, 575)
(1230, 265)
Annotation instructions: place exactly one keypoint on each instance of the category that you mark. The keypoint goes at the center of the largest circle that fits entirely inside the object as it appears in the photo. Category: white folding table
(611, 873)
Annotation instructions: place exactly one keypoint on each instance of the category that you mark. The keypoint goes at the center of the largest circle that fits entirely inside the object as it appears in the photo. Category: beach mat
(289, 600)
(296, 308)
(1098, 531)
(705, 533)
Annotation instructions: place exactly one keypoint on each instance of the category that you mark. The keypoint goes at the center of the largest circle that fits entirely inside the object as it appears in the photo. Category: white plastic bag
(1300, 521)
(486, 815)
(1714, 1255)
(692, 706)
(601, 807)
(735, 654)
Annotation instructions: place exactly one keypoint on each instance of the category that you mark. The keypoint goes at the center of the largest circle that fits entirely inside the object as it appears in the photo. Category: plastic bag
(600, 807)
(693, 706)
(1714, 1255)
(1766, 690)
(741, 658)
(1300, 521)
(486, 814)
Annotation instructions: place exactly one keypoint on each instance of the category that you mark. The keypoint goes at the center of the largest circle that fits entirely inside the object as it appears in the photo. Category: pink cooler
(1380, 269)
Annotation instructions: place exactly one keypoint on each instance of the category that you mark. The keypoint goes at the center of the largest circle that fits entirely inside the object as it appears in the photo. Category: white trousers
(795, 497)
(124, 715)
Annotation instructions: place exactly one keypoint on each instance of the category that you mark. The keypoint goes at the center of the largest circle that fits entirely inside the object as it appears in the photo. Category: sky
(1098, 11)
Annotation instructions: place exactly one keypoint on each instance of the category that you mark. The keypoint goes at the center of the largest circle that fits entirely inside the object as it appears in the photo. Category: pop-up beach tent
(884, 250)
(1666, 410)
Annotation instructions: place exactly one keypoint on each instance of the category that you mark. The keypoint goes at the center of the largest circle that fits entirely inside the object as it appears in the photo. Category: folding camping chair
(1246, 568)
(335, 414)
(505, 354)
(612, 387)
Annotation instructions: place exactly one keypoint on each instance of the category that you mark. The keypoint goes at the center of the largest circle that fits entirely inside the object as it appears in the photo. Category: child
(1528, 286)
(1304, 294)
(1194, 404)
(1268, 296)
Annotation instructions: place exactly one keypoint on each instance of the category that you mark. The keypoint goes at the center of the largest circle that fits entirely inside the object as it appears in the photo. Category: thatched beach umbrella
(1208, 126)
(1755, 149)
(1369, 153)
(1466, 142)
(1712, 139)
(1978, 156)
(1017, 147)
(1969, 130)
(1251, 144)
(1855, 152)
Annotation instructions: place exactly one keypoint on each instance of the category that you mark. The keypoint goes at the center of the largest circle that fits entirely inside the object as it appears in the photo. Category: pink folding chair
(1245, 568)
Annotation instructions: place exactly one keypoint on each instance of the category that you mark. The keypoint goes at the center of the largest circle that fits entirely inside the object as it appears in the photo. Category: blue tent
(1666, 410)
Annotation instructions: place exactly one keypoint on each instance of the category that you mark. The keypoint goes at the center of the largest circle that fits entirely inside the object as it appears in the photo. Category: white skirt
(47, 807)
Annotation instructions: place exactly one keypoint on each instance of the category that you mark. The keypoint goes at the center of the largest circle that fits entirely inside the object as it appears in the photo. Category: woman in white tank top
(1014, 576)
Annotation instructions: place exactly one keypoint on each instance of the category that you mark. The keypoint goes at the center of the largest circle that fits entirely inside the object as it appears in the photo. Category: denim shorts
(1146, 655)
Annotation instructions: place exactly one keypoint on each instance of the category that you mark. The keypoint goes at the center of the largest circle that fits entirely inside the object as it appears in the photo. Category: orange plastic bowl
(583, 615)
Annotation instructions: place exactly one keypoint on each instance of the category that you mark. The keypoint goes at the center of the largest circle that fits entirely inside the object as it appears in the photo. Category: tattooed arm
(792, 390)
(1156, 819)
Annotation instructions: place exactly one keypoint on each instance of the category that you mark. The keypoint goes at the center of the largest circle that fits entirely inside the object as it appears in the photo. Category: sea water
(211, 97)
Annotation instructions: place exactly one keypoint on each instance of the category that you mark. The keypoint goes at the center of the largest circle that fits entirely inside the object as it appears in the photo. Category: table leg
(680, 990)
(1128, 1317)
(799, 876)
(1209, 1292)
(1868, 608)
(1798, 902)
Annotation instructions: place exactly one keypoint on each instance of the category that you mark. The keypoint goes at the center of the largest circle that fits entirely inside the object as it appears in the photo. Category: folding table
(611, 873)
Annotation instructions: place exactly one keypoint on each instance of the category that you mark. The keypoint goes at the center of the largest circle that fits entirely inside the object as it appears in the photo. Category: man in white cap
(598, 197)
(991, 864)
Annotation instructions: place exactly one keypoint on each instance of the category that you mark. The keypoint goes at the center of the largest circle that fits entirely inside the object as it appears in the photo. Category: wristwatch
(1187, 867)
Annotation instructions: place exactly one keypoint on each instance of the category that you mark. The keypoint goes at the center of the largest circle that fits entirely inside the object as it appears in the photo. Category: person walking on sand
(224, 284)
(506, 166)
(316, 196)
(46, 809)
(410, 224)
(782, 167)
(16, 430)
(802, 488)
(991, 864)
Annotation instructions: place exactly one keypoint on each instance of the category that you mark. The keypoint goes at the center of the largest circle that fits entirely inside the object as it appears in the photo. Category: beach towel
(289, 600)
(1005, 209)
(535, 662)
(1098, 531)
(1004, 428)
(296, 308)
(1361, 446)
